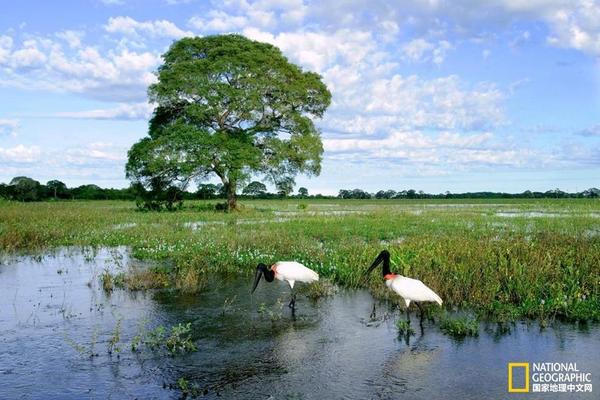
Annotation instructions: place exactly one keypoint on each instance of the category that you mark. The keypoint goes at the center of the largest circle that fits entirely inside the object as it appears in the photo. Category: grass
(177, 340)
(460, 327)
(502, 267)
(317, 290)
(404, 327)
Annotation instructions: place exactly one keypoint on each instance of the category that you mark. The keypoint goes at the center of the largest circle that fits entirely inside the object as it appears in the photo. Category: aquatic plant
(317, 290)
(459, 327)
(177, 340)
(107, 281)
(115, 338)
(404, 327)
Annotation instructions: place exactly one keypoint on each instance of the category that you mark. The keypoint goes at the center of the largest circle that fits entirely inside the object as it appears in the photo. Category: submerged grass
(542, 262)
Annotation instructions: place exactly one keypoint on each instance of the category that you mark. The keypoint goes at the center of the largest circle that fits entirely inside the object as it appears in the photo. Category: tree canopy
(231, 107)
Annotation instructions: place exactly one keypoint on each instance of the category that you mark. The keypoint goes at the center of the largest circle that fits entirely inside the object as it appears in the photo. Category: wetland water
(54, 315)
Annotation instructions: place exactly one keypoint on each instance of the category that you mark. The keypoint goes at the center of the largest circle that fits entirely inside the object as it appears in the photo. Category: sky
(462, 95)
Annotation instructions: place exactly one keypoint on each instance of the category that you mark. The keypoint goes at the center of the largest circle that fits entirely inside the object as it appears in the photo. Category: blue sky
(434, 95)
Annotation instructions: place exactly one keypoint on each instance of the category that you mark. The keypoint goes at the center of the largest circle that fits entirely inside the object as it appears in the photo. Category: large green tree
(231, 107)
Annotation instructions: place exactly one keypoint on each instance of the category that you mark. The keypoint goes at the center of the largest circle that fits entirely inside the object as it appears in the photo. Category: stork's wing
(414, 290)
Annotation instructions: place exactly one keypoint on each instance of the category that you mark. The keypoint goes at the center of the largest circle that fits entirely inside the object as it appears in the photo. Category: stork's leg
(292, 304)
(407, 315)
(373, 313)
(420, 312)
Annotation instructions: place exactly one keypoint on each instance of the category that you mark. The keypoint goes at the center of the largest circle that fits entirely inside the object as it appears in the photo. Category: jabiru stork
(411, 290)
(289, 271)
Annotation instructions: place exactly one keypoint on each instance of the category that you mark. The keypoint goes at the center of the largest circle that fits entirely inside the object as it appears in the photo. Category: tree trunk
(231, 197)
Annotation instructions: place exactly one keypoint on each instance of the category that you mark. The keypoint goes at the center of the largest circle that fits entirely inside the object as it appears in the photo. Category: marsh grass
(459, 327)
(544, 267)
(316, 290)
(404, 327)
(176, 340)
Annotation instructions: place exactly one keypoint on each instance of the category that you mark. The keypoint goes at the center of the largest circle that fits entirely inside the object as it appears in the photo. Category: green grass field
(504, 259)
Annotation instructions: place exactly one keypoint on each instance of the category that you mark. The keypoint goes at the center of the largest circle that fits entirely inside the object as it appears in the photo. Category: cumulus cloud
(157, 28)
(20, 154)
(421, 50)
(133, 111)
(444, 149)
(45, 64)
(219, 21)
(72, 38)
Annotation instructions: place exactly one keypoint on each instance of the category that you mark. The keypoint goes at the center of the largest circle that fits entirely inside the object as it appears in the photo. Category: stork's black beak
(257, 275)
(262, 269)
(384, 257)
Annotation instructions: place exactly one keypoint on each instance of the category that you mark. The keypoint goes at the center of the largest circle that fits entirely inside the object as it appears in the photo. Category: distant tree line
(22, 188)
(414, 194)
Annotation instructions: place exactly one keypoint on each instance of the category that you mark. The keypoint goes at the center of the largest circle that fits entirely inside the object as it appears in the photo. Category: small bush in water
(460, 326)
(404, 327)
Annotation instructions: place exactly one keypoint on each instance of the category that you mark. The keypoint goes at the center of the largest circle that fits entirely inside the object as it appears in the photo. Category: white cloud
(135, 111)
(27, 57)
(445, 149)
(6, 43)
(8, 127)
(157, 28)
(95, 152)
(219, 21)
(421, 50)
(115, 75)
(20, 154)
(72, 38)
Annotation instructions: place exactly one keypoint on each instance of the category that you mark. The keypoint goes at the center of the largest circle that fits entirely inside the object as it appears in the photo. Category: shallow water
(54, 314)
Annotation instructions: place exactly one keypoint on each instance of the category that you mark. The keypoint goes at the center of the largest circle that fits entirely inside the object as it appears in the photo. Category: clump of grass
(107, 281)
(187, 388)
(177, 340)
(404, 327)
(146, 279)
(180, 339)
(134, 280)
(302, 206)
(318, 289)
(460, 327)
(190, 281)
(113, 342)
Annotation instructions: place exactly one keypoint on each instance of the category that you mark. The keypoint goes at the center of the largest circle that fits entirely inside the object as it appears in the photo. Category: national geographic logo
(548, 377)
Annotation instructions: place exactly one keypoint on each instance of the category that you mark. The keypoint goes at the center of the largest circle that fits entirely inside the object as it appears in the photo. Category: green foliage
(404, 327)
(255, 188)
(459, 327)
(25, 189)
(230, 107)
(303, 192)
(177, 340)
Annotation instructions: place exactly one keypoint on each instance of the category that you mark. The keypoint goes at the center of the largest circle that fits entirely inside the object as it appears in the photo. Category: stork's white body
(411, 289)
(292, 272)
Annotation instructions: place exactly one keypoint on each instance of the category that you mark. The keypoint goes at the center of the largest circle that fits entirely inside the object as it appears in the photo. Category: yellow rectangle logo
(513, 365)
